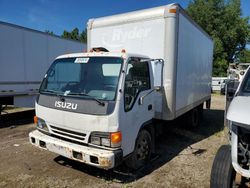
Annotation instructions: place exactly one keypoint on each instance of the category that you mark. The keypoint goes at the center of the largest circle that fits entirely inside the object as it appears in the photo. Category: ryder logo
(65, 105)
(120, 36)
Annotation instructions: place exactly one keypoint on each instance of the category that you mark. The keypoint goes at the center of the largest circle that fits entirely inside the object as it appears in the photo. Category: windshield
(95, 77)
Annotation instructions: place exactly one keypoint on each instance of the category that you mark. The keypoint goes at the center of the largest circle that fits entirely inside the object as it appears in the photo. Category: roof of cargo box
(10, 25)
(145, 14)
(150, 13)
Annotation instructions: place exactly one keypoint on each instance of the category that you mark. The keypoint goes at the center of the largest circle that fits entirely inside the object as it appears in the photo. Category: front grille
(243, 147)
(65, 133)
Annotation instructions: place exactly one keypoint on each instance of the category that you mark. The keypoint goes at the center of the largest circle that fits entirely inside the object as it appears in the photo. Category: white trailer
(25, 56)
(102, 109)
(218, 83)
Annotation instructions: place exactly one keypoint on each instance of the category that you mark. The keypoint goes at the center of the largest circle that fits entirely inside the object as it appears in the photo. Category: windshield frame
(85, 97)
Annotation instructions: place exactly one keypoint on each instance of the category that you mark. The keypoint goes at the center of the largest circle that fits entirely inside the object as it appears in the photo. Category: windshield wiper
(91, 97)
(47, 91)
(51, 91)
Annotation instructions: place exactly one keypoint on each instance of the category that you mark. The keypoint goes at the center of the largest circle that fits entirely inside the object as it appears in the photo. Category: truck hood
(239, 110)
(76, 121)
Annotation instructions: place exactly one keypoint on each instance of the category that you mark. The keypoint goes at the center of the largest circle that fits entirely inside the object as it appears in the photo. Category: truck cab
(97, 108)
(239, 124)
(231, 166)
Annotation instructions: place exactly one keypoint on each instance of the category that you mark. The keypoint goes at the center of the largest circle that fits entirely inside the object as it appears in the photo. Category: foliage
(244, 56)
(223, 21)
(49, 32)
(83, 36)
(75, 35)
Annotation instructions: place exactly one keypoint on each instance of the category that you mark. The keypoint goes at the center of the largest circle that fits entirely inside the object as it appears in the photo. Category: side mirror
(231, 88)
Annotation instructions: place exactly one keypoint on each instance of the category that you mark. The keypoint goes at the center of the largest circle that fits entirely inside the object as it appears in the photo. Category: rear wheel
(200, 109)
(142, 151)
(193, 118)
(222, 174)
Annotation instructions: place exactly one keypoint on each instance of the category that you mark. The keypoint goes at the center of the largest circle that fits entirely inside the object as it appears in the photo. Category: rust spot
(69, 150)
(104, 162)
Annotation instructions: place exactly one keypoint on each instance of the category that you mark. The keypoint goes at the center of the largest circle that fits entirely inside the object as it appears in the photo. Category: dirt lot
(184, 159)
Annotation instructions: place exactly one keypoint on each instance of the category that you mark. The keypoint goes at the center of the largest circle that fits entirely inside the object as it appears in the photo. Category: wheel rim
(142, 150)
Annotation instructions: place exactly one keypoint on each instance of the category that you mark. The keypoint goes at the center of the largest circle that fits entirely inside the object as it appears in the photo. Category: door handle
(150, 107)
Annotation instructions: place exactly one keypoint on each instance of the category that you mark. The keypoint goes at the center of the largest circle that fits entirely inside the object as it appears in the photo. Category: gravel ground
(184, 159)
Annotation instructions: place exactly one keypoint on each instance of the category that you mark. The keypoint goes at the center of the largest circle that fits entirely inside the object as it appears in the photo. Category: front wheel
(223, 173)
(142, 151)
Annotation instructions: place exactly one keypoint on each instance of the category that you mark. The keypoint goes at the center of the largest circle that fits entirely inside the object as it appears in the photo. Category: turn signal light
(35, 119)
(172, 10)
(116, 137)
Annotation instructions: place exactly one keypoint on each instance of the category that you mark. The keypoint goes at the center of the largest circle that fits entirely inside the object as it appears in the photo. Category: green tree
(83, 36)
(66, 35)
(75, 35)
(223, 21)
(49, 32)
(244, 56)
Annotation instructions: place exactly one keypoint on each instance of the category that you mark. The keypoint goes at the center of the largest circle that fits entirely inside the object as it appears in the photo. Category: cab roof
(102, 54)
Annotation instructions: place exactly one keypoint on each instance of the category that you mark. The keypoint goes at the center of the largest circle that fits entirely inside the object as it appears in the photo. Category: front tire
(142, 151)
(223, 173)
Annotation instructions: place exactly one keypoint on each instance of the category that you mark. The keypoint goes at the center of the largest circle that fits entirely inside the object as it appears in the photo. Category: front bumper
(92, 156)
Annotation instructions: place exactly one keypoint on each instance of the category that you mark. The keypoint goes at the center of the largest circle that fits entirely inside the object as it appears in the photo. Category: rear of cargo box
(162, 33)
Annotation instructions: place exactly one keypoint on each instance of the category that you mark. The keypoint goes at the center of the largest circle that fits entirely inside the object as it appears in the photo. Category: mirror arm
(142, 97)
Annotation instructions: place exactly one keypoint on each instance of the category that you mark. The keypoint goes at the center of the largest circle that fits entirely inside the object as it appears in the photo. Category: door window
(137, 80)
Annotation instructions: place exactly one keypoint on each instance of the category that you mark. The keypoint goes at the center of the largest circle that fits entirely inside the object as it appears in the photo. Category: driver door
(135, 113)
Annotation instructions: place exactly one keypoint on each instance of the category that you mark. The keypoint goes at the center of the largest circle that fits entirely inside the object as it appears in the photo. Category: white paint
(238, 110)
(25, 56)
(194, 64)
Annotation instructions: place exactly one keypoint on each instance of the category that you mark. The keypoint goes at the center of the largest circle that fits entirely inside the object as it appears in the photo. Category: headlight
(106, 139)
(95, 140)
(41, 125)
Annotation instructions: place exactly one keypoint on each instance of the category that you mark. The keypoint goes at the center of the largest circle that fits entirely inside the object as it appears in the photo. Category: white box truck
(98, 107)
(25, 56)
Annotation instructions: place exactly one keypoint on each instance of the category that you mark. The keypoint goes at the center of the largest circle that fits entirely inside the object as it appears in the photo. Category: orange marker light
(35, 119)
(172, 10)
(116, 137)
